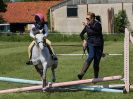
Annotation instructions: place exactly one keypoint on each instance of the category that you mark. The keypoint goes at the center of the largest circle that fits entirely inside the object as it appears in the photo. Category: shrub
(15, 38)
(57, 37)
(120, 21)
(113, 37)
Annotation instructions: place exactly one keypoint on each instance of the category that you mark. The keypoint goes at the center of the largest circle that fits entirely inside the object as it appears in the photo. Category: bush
(57, 37)
(64, 37)
(120, 22)
(15, 38)
(53, 37)
(113, 37)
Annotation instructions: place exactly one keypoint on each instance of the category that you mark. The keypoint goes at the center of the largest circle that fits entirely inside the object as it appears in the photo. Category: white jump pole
(126, 60)
(35, 82)
(131, 87)
(72, 88)
(62, 84)
(131, 38)
(111, 54)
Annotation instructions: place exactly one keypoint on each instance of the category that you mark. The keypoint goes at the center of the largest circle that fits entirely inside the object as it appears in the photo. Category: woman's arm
(83, 38)
(94, 30)
(82, 33)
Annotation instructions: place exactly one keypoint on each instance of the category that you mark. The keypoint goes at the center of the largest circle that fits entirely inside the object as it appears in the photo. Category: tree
(2, 6)
(2, 9)
(35, 0)
(6, 0)
(120, 22)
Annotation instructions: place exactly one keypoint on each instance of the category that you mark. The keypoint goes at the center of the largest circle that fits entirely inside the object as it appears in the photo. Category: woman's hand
(84, 44)
(84, 24)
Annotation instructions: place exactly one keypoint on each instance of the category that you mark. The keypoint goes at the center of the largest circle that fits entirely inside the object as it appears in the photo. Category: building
(69, 15)
(20, 14)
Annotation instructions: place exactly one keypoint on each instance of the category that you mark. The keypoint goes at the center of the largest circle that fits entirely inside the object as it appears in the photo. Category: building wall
(62, 23)
(101, 9)
(72, 24)
(129, 9)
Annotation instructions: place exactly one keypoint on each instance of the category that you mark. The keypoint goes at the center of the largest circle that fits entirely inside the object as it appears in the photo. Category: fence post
(126, 60)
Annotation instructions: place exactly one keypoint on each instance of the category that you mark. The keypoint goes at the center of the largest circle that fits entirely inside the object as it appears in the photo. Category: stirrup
(54, 57)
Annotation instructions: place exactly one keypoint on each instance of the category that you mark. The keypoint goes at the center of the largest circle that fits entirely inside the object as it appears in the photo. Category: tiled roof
(22, 12)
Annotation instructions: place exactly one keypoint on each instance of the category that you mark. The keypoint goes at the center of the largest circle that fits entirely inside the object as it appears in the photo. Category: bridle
(42, 41)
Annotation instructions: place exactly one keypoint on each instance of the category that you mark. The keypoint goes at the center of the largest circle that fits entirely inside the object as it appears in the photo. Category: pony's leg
(53, 75)
(44, 74)
(40, 71)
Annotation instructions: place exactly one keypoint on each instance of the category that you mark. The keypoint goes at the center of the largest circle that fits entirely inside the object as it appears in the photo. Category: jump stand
(62, 84)
(76, 85)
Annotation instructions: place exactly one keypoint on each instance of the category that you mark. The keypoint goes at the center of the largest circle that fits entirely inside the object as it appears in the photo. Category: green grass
(13, 56)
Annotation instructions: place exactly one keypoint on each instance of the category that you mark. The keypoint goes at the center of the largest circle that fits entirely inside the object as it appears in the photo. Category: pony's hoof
(44, 89)
(49, 84)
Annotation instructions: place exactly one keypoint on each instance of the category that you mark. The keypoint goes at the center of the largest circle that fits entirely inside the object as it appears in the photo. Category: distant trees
(2, 6)
(2, 9)
(6, 0)
(39, 0)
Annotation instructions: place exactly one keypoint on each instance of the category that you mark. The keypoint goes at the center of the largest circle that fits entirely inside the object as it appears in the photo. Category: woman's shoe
(80, 76)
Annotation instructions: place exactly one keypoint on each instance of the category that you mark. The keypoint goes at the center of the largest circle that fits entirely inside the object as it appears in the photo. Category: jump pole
(72, 88)
(126, 60)
(24, 89)
(84, 88)
(93, 88)
(131, 38)
(36, 82)
(62, 84)
(111, 54)
(131, 87)
(17, 80)
(111, 86)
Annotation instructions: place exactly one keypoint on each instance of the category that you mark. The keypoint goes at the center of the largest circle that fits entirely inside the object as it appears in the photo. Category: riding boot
(54, 57)
(83, 70)
(29, 62)
(96, 72)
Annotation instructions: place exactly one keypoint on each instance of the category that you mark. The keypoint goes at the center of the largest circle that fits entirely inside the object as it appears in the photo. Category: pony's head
(39, 38)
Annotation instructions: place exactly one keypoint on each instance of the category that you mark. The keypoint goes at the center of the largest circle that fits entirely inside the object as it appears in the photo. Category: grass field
(13, 56)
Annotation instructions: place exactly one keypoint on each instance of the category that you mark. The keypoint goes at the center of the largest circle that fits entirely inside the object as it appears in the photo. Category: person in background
(94, 44)
(40, 26)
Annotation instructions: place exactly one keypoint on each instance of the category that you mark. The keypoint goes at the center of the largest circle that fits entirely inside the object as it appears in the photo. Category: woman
(94, 44)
